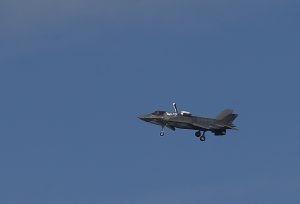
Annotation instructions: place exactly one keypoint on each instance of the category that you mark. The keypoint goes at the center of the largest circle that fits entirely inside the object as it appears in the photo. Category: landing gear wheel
(161, 133)
(198, 134)
(202, 138)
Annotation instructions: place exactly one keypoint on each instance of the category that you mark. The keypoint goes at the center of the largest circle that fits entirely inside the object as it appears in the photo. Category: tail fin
(224, 113)
(227, 116)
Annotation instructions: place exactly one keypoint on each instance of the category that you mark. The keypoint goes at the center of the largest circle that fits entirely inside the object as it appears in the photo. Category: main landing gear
(201, 137)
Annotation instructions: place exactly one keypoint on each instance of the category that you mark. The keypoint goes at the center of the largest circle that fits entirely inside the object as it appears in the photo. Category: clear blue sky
(75, 74)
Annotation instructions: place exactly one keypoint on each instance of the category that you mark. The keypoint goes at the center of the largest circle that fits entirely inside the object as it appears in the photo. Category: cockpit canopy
(158, 113)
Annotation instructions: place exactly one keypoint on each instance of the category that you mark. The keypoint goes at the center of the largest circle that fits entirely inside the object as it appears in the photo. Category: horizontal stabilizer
(233, 127)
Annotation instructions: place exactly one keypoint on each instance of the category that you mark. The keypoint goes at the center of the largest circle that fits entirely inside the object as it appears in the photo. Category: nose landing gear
(162, 133)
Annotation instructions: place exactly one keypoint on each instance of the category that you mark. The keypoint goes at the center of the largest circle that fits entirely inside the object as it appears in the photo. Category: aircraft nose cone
(144, 118)
(141, 117)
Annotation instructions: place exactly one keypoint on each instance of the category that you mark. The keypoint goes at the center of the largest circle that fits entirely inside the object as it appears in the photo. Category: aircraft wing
(214, 126)
(205, 126)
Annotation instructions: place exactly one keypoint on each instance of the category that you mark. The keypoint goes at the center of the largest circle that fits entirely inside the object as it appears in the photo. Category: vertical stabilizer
(229, 119)
(224, 113)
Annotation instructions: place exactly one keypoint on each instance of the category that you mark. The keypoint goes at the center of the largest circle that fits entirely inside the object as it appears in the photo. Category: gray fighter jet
(185, 120)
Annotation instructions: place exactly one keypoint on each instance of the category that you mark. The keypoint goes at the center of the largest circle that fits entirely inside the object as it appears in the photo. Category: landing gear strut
(162, 133)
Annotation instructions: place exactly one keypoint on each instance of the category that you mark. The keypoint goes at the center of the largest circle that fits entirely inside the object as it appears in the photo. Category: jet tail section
(224, 114)
(227, 116)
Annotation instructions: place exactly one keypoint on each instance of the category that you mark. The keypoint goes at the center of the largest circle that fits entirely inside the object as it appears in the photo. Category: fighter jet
(185, 120)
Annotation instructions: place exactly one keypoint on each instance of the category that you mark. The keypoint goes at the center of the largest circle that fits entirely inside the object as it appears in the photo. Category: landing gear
(201, 136)
(162, 133)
